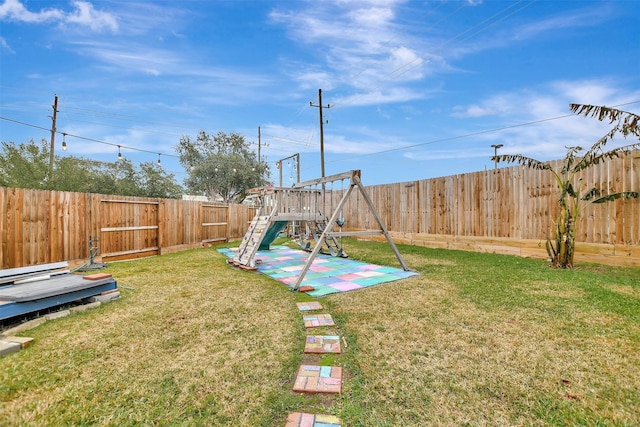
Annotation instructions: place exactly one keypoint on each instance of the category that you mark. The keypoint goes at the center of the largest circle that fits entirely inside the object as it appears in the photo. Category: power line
(89, 139)
(476, 133)
(121, 127)
(405, 68)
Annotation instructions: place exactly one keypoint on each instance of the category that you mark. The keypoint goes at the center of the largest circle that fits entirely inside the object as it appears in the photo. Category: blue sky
(418, 89)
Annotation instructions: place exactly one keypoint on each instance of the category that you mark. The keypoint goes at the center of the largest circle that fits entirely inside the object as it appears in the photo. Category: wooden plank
(132, 228)
(130, 254)
(128, 201)
(353, 233)
(33, 269)
(15, 228)
(3, 226)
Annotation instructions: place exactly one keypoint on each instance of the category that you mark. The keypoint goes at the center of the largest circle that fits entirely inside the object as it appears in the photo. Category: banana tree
(573, 200)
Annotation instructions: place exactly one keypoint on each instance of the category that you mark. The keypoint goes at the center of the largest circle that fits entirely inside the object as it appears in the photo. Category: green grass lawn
(475, 339)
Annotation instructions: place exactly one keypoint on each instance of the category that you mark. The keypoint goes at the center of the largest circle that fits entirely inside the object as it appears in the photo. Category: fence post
(161, 225)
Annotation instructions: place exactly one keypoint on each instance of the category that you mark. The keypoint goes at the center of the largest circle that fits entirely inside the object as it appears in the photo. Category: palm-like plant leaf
(561, 249)
(616, 196)
(522, 160)
(591, 194)
(626, 123)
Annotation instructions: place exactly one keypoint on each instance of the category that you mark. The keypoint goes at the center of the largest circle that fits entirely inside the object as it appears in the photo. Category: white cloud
(363, 47)
(549, 126)
(83, 14)
(5, 46)
(14, 10)
(562, 22)
(377, 96)
(548, 27)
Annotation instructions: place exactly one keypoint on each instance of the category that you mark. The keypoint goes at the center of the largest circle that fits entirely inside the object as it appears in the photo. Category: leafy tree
(153, 181)
(221, 166)
(27, 166)
(79, 175)
(574, 195)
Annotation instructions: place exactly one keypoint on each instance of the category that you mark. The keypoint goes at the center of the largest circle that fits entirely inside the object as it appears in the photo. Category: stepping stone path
(309, 306)
(313, 378)
(300, 419)
(322, 344)
(318, 379)
(317, 320)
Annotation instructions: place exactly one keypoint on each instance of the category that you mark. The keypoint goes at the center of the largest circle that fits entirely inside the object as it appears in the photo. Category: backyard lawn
(475, 339)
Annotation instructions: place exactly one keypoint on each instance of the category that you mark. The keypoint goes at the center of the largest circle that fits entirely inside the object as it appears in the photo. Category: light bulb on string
(159, 162)
(64, 143)
(119, 153)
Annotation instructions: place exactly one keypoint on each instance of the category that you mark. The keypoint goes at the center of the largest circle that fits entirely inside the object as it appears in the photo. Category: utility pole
(53, 137)
(259, 161)
(495, 153)
(320, 107)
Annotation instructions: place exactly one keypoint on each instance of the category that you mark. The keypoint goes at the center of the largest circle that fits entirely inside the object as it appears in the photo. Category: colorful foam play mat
(327, 274)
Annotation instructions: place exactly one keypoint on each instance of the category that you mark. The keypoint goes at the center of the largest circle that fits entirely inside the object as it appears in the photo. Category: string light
(119, 153)
(64, 143)
(159, 162)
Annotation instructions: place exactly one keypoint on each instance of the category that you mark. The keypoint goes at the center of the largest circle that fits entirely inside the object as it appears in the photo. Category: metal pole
(53, 138)
(321, 133)
(279, 164)
(495, 154)
(320, 106)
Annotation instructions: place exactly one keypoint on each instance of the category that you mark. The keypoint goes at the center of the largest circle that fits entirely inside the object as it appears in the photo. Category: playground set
(301, 209)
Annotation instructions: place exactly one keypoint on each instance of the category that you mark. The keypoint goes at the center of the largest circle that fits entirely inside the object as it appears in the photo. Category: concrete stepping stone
(7, 347)
(301, 419)
(23, 341)
(309, 306)
(322, 344)
(318, 379)
(317, 320)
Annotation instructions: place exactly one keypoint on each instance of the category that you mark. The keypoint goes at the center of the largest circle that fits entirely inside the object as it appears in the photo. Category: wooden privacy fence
(507, 210)
(49, 226)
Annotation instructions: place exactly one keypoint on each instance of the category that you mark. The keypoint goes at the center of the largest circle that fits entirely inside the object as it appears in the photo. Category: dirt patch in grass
(550, 289)
(627, 290)
(416, 261)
